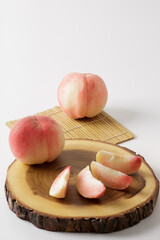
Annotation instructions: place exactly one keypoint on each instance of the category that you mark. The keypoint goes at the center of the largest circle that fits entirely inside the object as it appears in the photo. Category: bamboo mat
(101, 127)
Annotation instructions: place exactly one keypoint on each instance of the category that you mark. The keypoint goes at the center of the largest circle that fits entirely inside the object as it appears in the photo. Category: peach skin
(36, 139)
(125, 163)
(82, 95)
(110, 177)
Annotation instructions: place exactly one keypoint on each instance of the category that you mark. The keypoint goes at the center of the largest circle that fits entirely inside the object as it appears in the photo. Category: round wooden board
(27, 192)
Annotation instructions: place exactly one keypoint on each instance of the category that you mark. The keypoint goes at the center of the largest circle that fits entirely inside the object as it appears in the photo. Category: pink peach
(36, 139)
(110, 177)
(60, 184)
(82, 95)
(88, 186)
(125, 163)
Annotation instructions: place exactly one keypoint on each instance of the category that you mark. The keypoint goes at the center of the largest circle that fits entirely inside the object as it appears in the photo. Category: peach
(36, 139)
(60, 184)
(82, 95)
(88, 186)
(125, 163)
(110, 177)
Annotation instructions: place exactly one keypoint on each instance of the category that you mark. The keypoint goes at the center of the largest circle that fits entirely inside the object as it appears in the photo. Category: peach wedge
(60, 184)
(109, 177)
(125, 163)
(88, 186)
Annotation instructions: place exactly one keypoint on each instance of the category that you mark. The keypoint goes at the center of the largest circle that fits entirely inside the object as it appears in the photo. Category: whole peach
(82, 95)
(36, 139)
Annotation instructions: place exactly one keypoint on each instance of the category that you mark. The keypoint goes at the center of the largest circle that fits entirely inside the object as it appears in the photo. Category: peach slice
(88, 186)
(60, 184)
(125, 163)
(110, 177)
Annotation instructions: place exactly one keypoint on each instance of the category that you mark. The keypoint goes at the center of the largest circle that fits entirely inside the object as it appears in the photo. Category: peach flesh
(125, 163)
(110, 177)
(36, 139)
(82, 95)
(88, 186)
(60, 184)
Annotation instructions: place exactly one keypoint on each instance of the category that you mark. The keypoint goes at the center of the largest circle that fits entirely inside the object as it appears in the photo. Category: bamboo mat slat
(101, 127)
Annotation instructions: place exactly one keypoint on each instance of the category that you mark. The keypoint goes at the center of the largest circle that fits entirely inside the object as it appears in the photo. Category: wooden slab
(101, 127)
(27, 189)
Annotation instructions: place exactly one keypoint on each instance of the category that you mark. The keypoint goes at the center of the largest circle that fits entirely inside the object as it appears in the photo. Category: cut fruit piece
(124, 163)
(60, 184)
(88, 186)
(110, 177)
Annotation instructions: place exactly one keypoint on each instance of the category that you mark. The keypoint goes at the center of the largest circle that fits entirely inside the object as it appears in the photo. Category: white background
(42, 41)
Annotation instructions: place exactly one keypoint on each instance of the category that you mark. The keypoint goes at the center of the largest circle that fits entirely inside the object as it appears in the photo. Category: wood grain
(27, 189)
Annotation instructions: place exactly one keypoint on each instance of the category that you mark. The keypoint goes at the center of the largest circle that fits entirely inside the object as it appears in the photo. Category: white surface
(41, 41)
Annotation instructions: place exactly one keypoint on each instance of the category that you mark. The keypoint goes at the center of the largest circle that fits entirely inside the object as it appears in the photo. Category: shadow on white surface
(129, 115)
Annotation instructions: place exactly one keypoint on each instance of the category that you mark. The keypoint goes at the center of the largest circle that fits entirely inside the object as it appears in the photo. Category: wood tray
(27, 189)
(101, 127)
